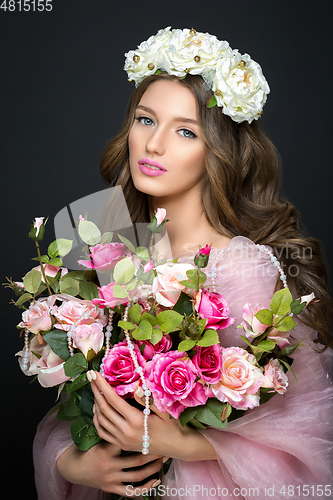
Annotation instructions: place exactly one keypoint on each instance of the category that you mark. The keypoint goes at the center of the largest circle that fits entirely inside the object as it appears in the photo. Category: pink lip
(149, 171)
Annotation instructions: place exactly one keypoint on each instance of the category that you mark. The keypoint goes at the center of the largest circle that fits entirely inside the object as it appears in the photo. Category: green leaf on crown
(211, 102)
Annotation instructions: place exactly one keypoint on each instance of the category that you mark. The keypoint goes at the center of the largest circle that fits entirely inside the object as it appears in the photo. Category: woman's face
(166, 136)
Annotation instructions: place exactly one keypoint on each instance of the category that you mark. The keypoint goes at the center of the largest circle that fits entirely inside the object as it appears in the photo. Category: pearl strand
(26, 352)
(71, 331)
(147, 393)
(108, 334)
(275, 261)
(261, 248)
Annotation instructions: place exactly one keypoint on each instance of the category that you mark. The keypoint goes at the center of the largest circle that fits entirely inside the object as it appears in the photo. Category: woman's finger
(140, 398)
(114, 400)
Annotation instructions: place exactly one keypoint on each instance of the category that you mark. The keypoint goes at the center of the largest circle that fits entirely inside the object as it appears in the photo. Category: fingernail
(91, 375)
(94, 409)
(156, 483)
(139, 392)
(165, 459)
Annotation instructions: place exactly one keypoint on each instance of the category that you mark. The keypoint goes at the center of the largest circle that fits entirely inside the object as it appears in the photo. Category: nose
(156, 142)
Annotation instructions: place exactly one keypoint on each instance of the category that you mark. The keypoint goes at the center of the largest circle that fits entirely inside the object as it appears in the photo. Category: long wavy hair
(240, 196)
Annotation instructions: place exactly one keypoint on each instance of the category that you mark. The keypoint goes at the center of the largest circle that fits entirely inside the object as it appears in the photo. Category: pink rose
(37, 318)
(49, 367)
(106, 297)
(119, 369)
(76, 310)
(213, 307)
(208, 362)
(240, 379)
(171, 378)
(274, 377)
(104, 256)
(160, 216)
(166, 286)
(89, 337)
(164, 345)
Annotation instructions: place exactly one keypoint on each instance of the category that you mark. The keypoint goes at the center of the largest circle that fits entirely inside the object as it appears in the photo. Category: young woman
(217, 175)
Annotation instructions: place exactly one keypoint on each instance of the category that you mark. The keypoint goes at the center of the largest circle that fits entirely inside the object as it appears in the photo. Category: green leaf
(143, 331)
(119, 292)
(142, 253)
(211, 412)
(32, 280)
(226, 412)
(186, 345)
(75, 365)
(84, 434)
(286, 324)
(23, 298)
(201, 324)
(106, 237)
(56, 261)
(297, 307)
(54, 284)
(280, 303)
(86, 404)
(134, 313)
(265, 316)
(43, 258)
(184, 305)
(156, 336)
(266, 345)
(188, 284)
(61, 247)
(68, 411)
(168, 320)
(245, 340)
(210, 337)
(192, 275)
(287, 365)
(211, 102)
(123, 271)
(57, 340)
(127, 243)
(88, 290)
(70, 286)
(187, 415)
(79, 382)
(89, 232)
(126, 325)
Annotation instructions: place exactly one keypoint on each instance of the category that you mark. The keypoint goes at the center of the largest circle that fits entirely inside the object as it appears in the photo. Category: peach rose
(74, 310)
(274, 377)
(166, 286)
(37, 318)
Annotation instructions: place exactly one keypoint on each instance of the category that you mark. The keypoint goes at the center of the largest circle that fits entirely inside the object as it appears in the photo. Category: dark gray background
(63, 95)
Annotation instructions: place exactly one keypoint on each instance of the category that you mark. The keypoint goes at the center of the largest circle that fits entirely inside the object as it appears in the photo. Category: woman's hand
(102, 467)
(122, 425)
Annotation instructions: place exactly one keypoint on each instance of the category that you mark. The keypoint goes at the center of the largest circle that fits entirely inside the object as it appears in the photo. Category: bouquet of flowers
(154, 325)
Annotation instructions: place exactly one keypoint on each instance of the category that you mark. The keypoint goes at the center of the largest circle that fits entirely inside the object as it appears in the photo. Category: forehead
(170, 99)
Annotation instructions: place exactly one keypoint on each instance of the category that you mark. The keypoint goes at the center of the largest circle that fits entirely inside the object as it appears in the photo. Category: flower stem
(42, 269)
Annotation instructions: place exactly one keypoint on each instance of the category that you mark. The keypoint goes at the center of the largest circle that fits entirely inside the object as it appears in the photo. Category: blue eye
(140, 118)
(186, 132)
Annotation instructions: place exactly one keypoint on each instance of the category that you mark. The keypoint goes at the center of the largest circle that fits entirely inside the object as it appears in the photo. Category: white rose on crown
(194, 53)
(148, 57)
(240, 87)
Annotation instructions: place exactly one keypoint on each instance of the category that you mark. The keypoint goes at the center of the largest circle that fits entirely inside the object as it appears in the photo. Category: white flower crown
(237, 81)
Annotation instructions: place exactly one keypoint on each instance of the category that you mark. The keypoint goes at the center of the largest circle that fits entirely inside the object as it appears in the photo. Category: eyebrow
(176, 119)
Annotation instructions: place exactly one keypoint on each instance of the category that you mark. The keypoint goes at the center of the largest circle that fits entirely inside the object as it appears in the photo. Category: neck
(187, 226)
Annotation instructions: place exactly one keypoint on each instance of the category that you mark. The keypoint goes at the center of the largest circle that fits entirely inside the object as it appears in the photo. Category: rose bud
(202, 257)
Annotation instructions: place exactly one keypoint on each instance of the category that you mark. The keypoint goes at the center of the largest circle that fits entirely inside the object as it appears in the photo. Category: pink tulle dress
(282, 449)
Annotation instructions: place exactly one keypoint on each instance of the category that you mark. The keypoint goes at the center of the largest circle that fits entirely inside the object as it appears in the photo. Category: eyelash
(147, 118)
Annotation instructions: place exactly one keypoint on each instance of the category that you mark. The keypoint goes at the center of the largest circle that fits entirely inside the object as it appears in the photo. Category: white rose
(241, 87)
(148, 57)
(194, 53)
(166, 286)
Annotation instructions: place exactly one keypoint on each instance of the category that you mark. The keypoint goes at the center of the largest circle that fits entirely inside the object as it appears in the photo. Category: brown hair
(240, 196)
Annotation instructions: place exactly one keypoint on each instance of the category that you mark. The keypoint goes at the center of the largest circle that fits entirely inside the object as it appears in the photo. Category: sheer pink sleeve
(282, 449)
(51, 440)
